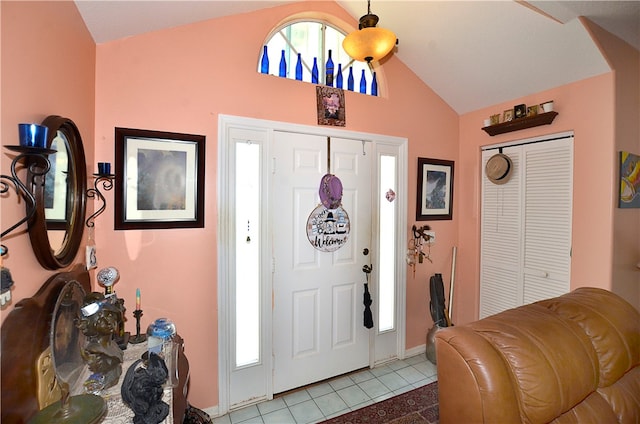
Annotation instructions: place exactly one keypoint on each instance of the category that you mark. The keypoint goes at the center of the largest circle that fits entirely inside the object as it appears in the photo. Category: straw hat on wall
(499, 168)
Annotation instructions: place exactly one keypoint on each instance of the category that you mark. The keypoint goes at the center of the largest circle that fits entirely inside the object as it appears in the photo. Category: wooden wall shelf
(521, 123)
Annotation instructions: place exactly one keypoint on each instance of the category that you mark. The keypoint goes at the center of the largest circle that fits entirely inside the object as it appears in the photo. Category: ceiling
(473, 54)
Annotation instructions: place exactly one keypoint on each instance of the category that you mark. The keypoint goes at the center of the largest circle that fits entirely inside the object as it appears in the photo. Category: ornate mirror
(67, 342)
(58, 223)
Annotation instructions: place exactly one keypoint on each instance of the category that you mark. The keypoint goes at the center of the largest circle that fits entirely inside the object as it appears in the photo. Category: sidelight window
(387, 285)
(247, 269)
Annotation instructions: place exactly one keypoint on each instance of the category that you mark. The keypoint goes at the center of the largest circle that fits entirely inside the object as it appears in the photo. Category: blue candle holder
(33, 135)
(104, 168)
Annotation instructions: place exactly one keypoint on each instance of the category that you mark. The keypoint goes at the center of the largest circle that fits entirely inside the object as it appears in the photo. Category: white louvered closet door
(526, 227)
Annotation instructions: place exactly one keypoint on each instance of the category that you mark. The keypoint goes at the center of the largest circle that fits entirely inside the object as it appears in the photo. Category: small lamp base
(138, 338)
(87, 409)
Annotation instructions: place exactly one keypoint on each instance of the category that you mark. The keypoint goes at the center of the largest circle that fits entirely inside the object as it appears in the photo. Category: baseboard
(213, 412)
(418, 350)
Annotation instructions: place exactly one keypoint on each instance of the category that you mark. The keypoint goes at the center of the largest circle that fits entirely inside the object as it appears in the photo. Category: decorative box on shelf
(545, 118)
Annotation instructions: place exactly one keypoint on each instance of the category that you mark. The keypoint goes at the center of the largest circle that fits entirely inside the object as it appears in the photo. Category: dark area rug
(417, 406)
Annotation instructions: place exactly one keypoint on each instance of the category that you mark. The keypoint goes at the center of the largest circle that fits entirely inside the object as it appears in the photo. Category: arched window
(312, 41)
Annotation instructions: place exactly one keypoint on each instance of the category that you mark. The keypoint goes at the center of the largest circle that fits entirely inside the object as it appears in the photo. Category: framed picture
(435, 189)
(520, 111)
(330, 105)
(532, 110)
(159, 180)
(629, 180)
(507, 115)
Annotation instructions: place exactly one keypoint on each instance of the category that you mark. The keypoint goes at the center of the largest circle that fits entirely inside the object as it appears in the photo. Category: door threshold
(306, 386)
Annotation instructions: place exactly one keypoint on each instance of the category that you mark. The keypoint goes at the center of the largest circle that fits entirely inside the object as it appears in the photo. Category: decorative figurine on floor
(100, 319)
(142, 390)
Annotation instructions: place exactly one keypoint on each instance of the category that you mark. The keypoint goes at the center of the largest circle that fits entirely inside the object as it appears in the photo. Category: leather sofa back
(556, 360)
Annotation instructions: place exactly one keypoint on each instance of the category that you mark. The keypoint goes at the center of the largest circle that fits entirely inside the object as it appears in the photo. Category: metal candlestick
(138, 338)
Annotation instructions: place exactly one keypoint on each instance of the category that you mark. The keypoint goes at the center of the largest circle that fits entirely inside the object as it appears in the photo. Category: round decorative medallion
(328, 229)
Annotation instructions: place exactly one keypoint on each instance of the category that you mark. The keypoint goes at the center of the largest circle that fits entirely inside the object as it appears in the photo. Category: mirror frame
(38, 234)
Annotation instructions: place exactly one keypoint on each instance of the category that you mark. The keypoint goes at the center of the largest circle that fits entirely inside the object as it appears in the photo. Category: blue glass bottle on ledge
(314, 71)
(350, 79)
(374, 85)
(283, 66)
(264, 64)
(328, 74)
(299, 68)
(339, 76)
(363, 83)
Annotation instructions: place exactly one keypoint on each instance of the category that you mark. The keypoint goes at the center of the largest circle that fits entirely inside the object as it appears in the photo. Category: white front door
(289, 314)
(318, 329)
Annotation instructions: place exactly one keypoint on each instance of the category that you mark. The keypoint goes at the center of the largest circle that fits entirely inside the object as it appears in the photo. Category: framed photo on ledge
(435, 189)
(159, 180)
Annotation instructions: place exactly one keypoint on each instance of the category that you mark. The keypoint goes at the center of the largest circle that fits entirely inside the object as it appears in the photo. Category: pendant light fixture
(369, 42)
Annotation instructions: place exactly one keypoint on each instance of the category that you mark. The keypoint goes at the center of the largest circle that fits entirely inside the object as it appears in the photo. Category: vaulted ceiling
(473, 54)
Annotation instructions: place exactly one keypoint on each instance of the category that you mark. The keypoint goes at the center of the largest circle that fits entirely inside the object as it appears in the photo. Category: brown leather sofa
(570, 359)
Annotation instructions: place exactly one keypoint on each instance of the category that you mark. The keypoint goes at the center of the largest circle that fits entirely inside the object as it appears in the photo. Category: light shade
(369, 44)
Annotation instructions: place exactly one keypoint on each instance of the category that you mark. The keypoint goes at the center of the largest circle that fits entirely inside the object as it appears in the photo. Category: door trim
(225, 229)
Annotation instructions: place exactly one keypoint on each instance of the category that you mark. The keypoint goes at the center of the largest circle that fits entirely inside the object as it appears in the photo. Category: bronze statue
(101, 318)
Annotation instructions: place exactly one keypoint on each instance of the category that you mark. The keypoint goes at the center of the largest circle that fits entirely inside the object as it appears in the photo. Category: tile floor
(338, 396)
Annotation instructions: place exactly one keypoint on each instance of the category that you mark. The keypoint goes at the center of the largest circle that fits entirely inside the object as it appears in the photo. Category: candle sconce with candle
(105, 177)
(33, 142)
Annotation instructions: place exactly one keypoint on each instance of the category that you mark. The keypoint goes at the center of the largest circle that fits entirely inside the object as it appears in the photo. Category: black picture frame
(159, 180)
(435, 189)
(520, 111)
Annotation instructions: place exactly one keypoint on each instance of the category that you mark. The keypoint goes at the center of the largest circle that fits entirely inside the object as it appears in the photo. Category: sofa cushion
(623, 396)
(612, 325)
(551, 361)
(594, 409)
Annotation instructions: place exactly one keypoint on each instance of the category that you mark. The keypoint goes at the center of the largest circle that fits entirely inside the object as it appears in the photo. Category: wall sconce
(105, 177)
(33, 141)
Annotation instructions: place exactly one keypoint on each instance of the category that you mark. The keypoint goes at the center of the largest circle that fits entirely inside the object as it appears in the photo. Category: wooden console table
(25, 337)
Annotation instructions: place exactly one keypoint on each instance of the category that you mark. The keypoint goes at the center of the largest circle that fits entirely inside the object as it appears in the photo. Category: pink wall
(625, 60)
(586, 107)
(48, 68)
(180, 80)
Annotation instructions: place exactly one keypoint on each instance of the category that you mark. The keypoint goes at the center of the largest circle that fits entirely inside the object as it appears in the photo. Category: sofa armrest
(473, 381)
